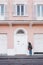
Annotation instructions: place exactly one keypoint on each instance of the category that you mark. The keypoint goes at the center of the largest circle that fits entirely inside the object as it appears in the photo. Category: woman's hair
(29, 43)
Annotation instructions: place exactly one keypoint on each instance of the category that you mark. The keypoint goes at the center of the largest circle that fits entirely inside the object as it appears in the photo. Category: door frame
(17, 29)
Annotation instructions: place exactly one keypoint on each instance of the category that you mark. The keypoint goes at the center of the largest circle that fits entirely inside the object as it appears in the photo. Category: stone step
(21, 60)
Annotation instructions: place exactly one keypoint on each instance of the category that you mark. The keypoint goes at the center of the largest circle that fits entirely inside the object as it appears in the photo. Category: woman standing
(30, 48)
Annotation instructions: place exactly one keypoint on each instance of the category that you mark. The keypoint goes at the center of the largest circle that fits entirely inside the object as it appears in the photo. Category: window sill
(39, 18)
(20, 16)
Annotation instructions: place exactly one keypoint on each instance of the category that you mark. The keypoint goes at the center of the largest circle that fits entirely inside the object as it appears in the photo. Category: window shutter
(34, 11)
(14, 10)
(26, 10)
(5, 9)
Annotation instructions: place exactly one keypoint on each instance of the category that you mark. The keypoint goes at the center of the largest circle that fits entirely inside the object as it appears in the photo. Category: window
(20, 9)
(1, 9)
(20, 32)
(39, 10)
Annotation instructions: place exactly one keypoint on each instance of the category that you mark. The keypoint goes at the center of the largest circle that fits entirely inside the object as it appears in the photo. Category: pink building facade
(21, 21)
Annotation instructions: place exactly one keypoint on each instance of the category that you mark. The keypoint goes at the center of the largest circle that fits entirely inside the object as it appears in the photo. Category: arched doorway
(20, 41)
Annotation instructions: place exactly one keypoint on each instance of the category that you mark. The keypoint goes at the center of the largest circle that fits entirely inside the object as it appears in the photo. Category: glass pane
(18, 10)
(2, 9)
(38, 10)
(20, 32)
(22, 10)
(42, 10)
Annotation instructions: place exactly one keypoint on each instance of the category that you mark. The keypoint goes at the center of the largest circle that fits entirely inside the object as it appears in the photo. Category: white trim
(25, 13)
(24, 10)
(38, 42)
(2, 17)
(20, 2)
(4, 48)
(20, 9)
(10, 52)
(35, 3)
(15, 35)
(40, 11)
(3, 1)
(39, 17)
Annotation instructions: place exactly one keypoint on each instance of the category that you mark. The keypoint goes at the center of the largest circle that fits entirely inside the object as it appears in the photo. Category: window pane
(2, 9)
(22, 10)
(20, 32)
(18, 10)
(42, 10)
(38, 10)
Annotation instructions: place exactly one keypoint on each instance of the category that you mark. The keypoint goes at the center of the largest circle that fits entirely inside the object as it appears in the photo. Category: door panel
(3, 43)
(38, 43)
(20, 44)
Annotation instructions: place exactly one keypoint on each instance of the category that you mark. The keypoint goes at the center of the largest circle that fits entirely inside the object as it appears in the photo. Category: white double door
(38, 42)
(3, 44)
(20, 44)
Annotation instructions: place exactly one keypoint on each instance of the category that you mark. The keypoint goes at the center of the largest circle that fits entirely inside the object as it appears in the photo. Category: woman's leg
(30, 52)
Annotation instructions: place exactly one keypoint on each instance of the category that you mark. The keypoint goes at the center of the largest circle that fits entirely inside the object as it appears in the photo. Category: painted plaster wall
(38, 1)
(30, 7)
(10, 9)
(11, 29)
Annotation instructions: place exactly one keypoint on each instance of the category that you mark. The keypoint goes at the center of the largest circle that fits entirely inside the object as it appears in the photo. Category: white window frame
(4, 16)
(14, 10)
(39, 17)
(20, 9)
(4, 10)
(40, 11)
(5, 51)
